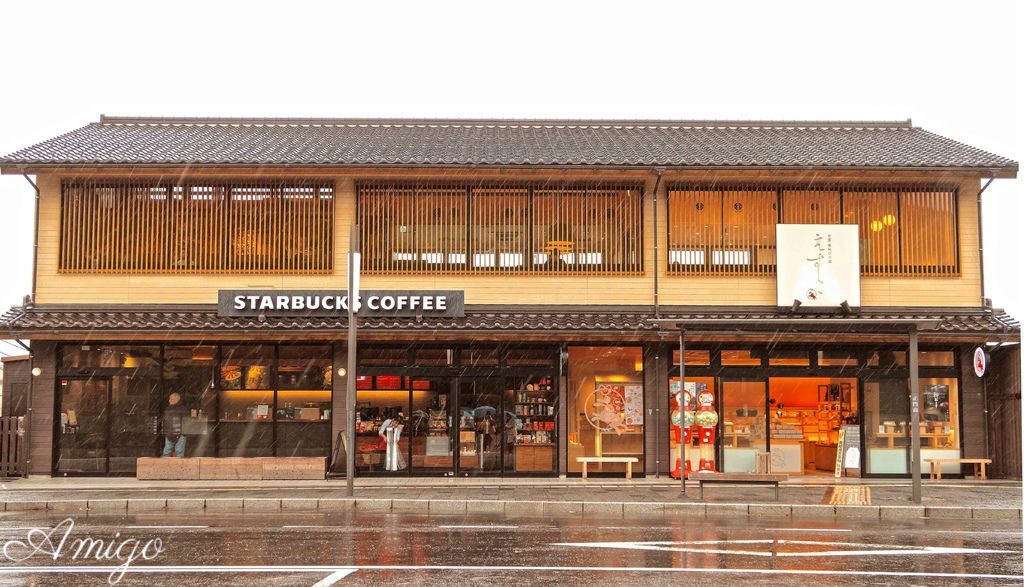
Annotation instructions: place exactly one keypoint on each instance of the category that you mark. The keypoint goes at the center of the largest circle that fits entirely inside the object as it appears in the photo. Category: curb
(601, 509)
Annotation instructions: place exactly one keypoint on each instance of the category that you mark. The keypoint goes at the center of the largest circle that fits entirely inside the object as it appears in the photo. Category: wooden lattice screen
(412, 228)
(905, 231)
(209, 227)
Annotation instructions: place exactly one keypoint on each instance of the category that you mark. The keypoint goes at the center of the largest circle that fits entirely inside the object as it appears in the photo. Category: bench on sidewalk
(628, 460)
(230, 468)
(740, 479)
(980, 467)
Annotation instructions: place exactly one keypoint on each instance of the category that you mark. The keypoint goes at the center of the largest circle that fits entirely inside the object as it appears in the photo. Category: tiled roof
(545, 143)
(570, 319)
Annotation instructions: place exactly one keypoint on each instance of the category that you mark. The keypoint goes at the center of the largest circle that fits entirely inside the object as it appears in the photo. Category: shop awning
(626, 322)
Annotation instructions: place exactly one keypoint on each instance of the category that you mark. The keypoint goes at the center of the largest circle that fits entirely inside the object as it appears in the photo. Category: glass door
(84, 428)
(744, 424)
(482, 422)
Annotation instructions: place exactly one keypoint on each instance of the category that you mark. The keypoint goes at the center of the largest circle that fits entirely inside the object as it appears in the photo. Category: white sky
(951, 66)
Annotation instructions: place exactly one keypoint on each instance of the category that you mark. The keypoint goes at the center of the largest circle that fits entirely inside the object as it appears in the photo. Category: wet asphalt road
(394, 549)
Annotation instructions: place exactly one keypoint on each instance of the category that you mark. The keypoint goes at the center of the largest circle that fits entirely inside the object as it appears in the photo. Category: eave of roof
(131, 142)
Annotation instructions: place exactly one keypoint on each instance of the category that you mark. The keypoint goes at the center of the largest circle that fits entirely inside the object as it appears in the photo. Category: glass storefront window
(785, 358)
(383, 405)
(886, 431)
(109, 356)
(837, 359)
(806, 414)
(246, 406)
(303, 413)
(935, 359)
(740, 358)
(744, 422)
(695, 357)
(606, 406)
(940, 421)
(888, 359)
(189, 372)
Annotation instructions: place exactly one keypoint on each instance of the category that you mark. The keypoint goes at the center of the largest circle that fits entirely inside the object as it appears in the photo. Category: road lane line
(806, 530)
(333, 578)
(167, 527)
(478, 527)
(143, 569)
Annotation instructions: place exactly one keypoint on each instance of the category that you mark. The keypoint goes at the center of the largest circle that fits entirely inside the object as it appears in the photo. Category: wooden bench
(628, 460)
(739, 479)
(980, 467)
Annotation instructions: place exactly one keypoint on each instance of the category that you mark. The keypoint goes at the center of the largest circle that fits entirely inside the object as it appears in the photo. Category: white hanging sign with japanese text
(818, 264)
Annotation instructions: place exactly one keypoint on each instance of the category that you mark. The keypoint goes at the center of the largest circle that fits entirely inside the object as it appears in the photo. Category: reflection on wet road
(324, 549)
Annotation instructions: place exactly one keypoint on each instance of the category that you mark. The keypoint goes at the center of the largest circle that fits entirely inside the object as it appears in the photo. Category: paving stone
(410, 505)
(485, 506)
(524, 509)
(223, 504)
(376, 505)
(730, 510)
(298, 503)
(22, 506)
(685, 510)
(948, 513)
(904, 512)
(641, 509)
(446, 506)
(1005, 514)
(108, 505)
(857, 512)
(336, 504)
(611, 509)
(563, 508)
(770, 510)
(813, 511)
(261, 504)
(146, 505)
(71, 505)
(186, 504)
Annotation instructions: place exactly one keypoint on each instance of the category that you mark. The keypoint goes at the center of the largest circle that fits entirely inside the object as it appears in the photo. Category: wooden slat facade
(124, 226)
(946, 290)
(545, 230)
(903, 231)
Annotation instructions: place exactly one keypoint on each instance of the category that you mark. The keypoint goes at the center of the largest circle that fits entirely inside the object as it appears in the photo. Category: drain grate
(848, 495)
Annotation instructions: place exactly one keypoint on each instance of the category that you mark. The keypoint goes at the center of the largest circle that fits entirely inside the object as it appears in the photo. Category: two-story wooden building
(207, 258)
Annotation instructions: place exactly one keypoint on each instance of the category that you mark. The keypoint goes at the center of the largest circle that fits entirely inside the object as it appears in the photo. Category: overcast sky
(953, 67)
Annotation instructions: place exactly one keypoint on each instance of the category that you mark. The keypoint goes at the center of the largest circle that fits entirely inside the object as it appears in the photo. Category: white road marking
(724, 547)
(143, 569)
(333, 578)
(478, 527)
(167, 527)
(807, 530)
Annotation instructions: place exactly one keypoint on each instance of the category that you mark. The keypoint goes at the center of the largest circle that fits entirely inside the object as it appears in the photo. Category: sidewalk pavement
(805, 498)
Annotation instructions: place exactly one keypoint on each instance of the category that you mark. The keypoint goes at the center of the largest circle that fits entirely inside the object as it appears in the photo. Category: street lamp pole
(350, 375)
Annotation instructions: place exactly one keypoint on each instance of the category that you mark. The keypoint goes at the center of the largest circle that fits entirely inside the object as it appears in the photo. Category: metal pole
(682, 412)
(350, 375)
(915, 420)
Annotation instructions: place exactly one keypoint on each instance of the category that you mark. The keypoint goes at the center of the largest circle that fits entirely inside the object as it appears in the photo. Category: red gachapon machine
(688, 422)
(706, 420)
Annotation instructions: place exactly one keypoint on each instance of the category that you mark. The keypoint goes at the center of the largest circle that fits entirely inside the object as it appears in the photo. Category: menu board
(848, 451)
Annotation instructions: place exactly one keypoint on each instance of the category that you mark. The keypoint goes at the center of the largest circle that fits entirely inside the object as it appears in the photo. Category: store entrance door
(487, 427)
(744, 421)
(83, 432)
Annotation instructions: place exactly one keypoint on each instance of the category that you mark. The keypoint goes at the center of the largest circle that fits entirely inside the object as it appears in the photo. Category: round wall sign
(980, 362)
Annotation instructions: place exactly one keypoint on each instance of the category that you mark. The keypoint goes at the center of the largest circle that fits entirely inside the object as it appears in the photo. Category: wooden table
(980, 467)
(932, 437)
(628, 460)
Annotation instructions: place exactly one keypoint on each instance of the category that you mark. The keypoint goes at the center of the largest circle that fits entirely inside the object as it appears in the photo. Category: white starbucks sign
(818, 264)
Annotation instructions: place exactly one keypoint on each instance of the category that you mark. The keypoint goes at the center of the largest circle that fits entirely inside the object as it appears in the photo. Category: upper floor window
(412, 228)
(910, 231)
(140, 226)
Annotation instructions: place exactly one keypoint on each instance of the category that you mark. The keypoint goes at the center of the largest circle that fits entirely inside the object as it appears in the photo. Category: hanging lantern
(889, 219)
(877, 226)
